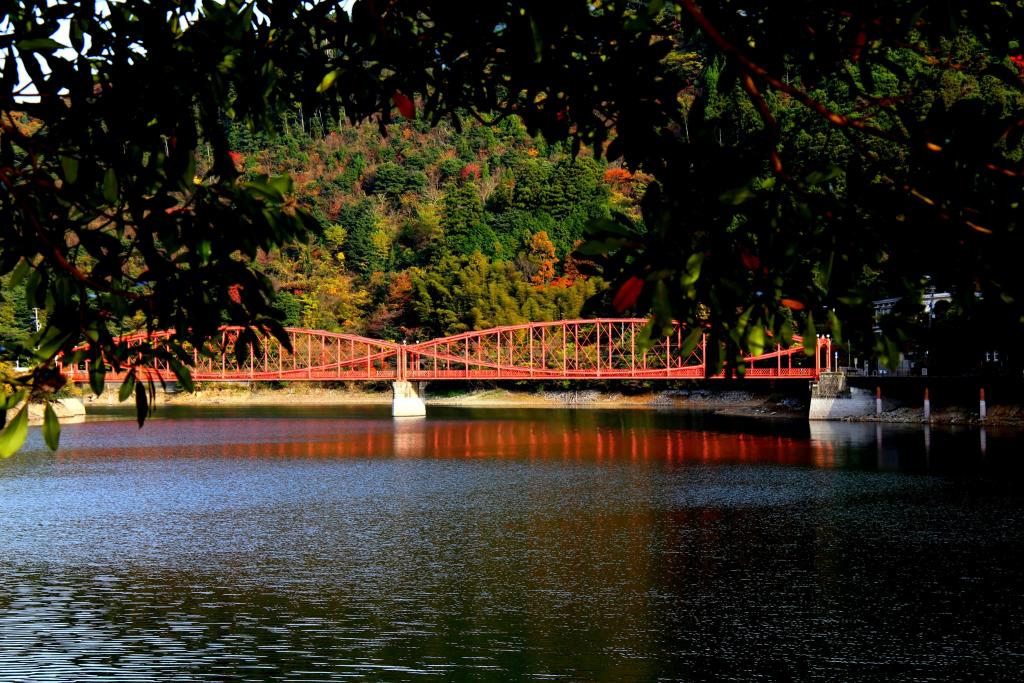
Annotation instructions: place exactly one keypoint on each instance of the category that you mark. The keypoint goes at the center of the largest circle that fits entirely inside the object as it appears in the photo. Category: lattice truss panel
(606, 348)
(315, 356)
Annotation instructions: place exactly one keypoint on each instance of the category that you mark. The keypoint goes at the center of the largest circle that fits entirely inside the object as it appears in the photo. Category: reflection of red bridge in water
(503, 437)
(605, 348)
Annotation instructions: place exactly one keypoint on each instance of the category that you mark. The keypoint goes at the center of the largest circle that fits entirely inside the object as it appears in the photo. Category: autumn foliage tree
(542, 257)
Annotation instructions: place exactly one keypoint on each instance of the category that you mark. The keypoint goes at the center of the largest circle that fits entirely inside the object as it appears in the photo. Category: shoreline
(726, 403)
(738, 402)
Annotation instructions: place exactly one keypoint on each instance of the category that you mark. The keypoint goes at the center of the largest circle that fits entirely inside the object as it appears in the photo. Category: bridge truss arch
(604, 348)
(315, 356)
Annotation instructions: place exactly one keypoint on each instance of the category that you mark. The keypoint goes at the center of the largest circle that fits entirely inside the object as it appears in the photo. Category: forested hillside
(429, 231)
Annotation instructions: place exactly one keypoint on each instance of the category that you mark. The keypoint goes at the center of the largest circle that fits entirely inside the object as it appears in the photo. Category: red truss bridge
(605, 348)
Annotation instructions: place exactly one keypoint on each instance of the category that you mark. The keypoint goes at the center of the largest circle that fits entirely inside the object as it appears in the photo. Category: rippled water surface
(320, 544)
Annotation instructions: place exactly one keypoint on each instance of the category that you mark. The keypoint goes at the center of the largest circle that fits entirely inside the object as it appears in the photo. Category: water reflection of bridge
(589, 437)
(531, 440)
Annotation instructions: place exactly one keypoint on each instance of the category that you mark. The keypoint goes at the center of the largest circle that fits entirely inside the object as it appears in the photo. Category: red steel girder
(604, 348)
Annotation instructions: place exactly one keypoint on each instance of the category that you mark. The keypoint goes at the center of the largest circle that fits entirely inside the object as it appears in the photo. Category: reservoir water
(334, 543)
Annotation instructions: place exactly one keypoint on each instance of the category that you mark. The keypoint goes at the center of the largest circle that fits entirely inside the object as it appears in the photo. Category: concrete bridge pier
(407, 400)
(833, 399)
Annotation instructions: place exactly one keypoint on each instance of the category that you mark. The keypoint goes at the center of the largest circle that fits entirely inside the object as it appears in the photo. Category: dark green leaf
(691, 273)
(737, 196)
(647, 335)
(600, 247)
(282, 184)
(278, 332)
(141, 403)
(835, 326)
(786, 333)
(266, 187)
(204, 250)
(35, 287)
(818, 177)
(11, 400)
(97, 376)
(14, 433)
(51, 427)
(889, 352)
(661, 305)
(755, 340)
(110, 186)
(810, 336)
(38, 45)
(127, 386)
(184, 375)
(77, 36)
(70, 168)
(328, 80)
(19, 273)
(49, 341)
(691, 341)
(538, 41)
(244, 344)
